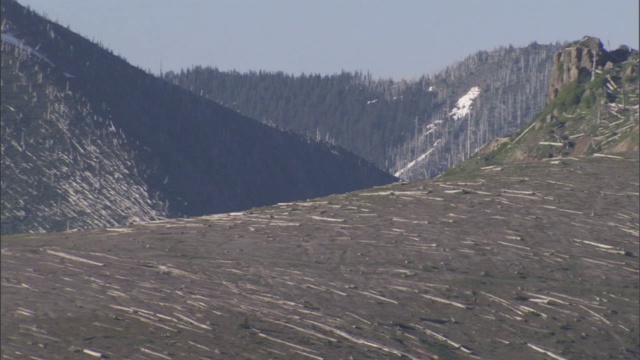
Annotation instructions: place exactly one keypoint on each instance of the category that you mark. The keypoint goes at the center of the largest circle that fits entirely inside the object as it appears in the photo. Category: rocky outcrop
(581, 60)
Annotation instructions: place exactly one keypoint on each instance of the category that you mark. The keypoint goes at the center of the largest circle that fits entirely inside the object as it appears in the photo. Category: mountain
(593, 111)
(538, 260)
(413, 129)
(507, 255)
(90, 141)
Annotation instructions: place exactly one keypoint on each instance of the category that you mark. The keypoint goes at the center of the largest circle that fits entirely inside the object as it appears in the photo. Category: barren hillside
(525, 261)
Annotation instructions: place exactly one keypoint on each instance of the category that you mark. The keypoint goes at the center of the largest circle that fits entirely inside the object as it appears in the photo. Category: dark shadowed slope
(530, 262)
(85, 133)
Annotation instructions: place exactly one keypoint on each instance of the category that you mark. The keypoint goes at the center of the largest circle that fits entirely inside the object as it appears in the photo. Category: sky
(391, 38)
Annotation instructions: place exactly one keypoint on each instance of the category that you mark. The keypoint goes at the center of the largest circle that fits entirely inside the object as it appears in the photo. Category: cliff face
(583, 59)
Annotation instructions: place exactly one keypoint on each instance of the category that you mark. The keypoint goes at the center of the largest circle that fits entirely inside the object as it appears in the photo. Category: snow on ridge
(463, 106)
(9, 38)
(462, 109)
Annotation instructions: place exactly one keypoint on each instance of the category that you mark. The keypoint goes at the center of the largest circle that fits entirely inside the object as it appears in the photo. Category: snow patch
(372, 101)
(463, 106)
(414, 162)
(9, 38)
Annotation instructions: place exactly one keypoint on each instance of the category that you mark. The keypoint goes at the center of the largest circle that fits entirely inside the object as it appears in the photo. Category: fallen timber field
(535, 261)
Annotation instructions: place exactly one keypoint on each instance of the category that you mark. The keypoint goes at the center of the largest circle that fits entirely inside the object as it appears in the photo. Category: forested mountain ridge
(89, 140)
(392, 123)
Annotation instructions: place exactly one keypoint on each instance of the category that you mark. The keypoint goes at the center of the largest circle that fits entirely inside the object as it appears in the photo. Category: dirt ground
(533, 261)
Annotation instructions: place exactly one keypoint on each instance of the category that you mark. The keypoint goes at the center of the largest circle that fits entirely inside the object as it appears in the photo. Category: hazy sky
(391, 38)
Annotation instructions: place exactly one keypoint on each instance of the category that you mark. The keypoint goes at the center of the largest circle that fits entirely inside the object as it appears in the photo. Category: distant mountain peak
(415, 128)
